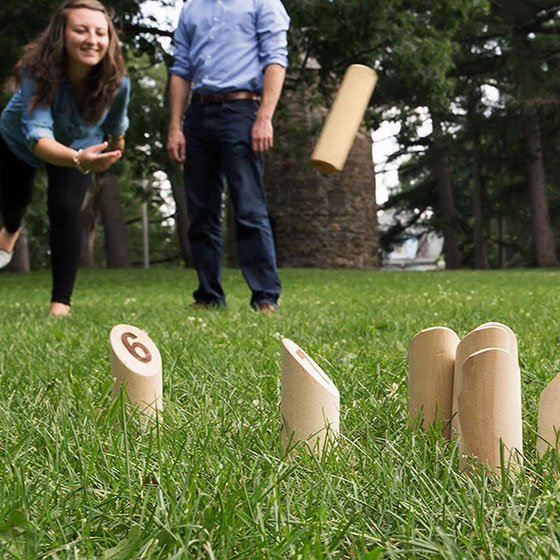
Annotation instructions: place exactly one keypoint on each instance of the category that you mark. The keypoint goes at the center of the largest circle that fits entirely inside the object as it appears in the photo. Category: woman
(69, 114)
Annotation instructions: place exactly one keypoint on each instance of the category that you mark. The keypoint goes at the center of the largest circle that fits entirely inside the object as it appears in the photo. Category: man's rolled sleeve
(273, 23)
(117, 120)
(181, 52)
(38, 123)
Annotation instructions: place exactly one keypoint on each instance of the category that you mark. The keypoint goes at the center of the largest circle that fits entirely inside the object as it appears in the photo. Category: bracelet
(76, 160)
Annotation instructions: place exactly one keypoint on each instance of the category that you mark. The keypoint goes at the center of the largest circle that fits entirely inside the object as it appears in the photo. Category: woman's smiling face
(86, 36)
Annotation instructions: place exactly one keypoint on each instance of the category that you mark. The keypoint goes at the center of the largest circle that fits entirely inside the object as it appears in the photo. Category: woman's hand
(89, 159)
(116, 143)
(95, 159)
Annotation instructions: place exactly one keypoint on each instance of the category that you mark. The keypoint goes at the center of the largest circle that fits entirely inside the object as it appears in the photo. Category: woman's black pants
(66, 190)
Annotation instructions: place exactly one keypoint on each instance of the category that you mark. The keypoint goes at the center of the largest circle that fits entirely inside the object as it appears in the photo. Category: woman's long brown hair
(45, 58)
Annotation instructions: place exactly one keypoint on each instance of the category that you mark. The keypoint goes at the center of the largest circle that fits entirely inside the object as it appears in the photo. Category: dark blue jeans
(219, 145)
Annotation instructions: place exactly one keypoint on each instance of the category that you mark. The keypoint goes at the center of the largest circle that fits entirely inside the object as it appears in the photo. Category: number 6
(133, 348)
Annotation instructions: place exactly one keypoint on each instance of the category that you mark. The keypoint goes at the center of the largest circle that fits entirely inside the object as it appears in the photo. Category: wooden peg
(310, 404)
(431, 359)
(549, 417)
(513, 338)
(136, 366)
(344, 119)
(490, 409)
(491, 335)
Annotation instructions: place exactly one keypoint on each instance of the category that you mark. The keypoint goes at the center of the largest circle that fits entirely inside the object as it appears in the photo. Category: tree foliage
(145, 45)
(483, 68)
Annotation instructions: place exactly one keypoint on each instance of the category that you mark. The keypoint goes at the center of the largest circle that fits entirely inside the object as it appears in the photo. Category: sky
(152, 7)
(386, 174)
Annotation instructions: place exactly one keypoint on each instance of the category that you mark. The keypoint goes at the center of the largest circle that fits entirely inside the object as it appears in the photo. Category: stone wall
(318, 221)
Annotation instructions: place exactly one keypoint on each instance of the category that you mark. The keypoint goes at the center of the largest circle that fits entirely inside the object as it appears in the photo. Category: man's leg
(204, 188)
(244, 174)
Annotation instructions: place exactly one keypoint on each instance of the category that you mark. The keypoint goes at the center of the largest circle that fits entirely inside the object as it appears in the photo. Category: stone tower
(318, 221)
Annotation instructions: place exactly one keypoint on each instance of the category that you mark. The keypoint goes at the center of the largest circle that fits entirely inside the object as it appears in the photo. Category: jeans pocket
(243, 108)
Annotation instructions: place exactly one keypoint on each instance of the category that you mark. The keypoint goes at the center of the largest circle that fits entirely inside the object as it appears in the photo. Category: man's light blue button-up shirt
(225, 45)
(62, 121)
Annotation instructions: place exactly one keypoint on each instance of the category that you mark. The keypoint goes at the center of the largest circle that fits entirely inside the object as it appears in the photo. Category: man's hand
(176, 145)
(95, 159)
(262, 135)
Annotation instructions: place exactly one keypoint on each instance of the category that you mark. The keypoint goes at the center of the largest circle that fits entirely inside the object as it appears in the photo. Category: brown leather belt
(226, 96)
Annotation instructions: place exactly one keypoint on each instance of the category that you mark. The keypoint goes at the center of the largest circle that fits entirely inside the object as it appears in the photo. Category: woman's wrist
(78, 163)
(111, 139)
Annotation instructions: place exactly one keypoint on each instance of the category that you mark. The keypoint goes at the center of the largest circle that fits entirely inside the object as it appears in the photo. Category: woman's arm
(116, 122)
(262, 135)
(38, 128)
(92, 158)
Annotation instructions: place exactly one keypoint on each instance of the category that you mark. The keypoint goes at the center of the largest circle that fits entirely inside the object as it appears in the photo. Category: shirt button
(215, 18)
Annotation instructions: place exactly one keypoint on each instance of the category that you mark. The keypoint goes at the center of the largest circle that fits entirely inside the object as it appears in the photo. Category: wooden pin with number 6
(136, 367)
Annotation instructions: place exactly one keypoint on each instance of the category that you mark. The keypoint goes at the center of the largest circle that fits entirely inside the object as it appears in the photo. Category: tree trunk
(447, 205)
(90, 217)
(502, 235)
(181, 216)
(479, 233)
(20, 258)
(545, 250)
(117, 252)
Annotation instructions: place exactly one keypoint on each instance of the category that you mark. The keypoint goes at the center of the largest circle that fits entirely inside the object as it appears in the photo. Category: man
(233, 55)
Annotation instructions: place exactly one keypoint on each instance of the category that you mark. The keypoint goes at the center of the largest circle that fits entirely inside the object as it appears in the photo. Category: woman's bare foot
(8, 240)
(59, 309)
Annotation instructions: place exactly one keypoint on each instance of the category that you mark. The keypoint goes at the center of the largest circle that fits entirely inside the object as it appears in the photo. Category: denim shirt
(225, 45)
(61, 121)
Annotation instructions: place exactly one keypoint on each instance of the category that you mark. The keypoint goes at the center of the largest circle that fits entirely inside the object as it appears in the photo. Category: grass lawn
(77, 480)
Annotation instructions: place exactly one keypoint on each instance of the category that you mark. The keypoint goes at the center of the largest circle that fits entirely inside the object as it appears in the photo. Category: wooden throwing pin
(490, 335)
(344, 119)
(136, 367)
(490, 409)
(513, 338)
(310, 403)
(431, 360)
(549, 417)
